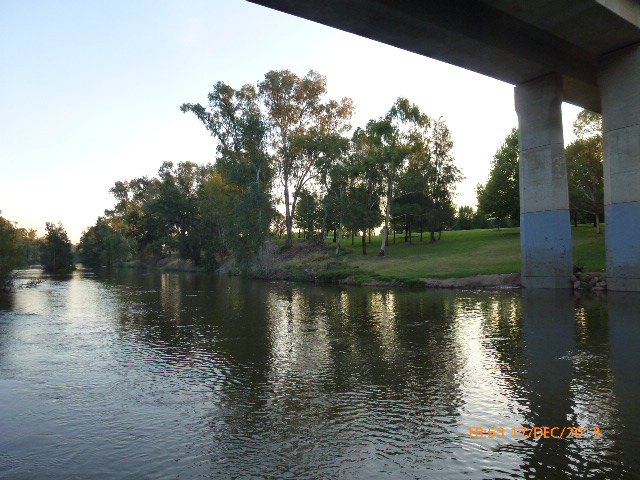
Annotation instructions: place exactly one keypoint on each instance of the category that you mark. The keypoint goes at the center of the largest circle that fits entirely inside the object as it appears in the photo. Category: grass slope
(461, 254)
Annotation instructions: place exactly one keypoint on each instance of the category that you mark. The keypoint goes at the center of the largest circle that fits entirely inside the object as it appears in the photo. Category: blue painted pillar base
(623, 246)
(547, 259)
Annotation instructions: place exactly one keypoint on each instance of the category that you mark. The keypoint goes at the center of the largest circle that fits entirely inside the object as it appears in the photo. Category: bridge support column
(545, 224)
(619, 81)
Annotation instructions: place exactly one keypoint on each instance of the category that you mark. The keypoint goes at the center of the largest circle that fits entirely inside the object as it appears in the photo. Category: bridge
(584, 52)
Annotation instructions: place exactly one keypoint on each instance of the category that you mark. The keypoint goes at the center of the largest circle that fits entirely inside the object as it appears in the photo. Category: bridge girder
(512, 41)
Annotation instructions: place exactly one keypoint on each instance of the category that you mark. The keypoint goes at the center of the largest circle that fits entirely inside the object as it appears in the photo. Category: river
(134, 375)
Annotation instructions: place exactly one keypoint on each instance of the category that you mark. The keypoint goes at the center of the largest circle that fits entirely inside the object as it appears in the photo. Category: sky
(90, 93)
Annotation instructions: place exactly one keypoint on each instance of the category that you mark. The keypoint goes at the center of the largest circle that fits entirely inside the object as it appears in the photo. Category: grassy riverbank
(458, 254)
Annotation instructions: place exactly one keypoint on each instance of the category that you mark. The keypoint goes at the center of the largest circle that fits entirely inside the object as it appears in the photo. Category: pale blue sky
(90, 93)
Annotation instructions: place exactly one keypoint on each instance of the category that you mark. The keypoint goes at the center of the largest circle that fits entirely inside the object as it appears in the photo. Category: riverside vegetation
(288, 159)
(460, 255)
(21, 247)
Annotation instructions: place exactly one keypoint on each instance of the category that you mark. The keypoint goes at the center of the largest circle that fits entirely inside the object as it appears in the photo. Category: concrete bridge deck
(512, 41)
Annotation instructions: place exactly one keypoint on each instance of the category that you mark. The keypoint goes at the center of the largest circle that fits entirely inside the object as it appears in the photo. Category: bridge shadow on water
(583, 370)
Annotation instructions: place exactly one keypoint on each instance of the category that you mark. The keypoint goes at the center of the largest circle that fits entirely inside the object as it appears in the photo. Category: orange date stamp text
(521, 433)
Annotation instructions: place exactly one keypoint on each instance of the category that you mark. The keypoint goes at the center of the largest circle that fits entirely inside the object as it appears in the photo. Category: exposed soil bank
(497, 280)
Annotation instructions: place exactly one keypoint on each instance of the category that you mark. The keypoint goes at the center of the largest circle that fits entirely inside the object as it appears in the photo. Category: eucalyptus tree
(587, 124)
(500, 196)
(410, 202)
(330, 151)
(100, 245)
(364, 189)
(236, 201)
(585, 172)
(236, 120)
(585, 166)
(298, 118)
(56, 253)
(465, 218)
(336, 179)
(10, 257)
(308, 214)
(173, 214)
(391, 141)
(442, 177)
(426, 185)
(127, 216)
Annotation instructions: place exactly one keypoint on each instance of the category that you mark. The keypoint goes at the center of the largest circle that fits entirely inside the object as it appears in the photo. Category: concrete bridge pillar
(619, 81)
(545, 224)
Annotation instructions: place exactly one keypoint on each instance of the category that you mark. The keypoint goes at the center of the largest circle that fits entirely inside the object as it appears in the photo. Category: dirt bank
(497, 280)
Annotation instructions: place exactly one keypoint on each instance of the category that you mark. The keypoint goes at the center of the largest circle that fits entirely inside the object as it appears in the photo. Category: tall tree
(100, 245)
(173, 212)
(337, 180)
(587, 124)
(427, 185)
(363, 192)
(391, 140)
(10, 257)
(500, 196)
(298, 116)
(308, 214)
(56, 253)
(330, 151)
(465, 218)
(442, 177)
(127, 216)
(585, 166)
(236, 201)
(235, 119)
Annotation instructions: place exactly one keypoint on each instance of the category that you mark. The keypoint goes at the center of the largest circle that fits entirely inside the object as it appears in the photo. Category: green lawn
(463, 254)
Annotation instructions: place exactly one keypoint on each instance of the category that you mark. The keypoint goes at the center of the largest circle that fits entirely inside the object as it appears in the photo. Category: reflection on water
(130, 375)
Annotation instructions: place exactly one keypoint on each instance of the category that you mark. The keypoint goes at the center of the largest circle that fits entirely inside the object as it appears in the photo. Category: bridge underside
(584, 52)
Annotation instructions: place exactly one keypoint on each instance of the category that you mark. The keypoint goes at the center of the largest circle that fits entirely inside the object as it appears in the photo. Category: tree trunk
(288, 216)
(352, 234)
(597, 223)
(334, 234)
(339, 246)
(387, 214)
(364, 242)
(323, 230)
(369, 235)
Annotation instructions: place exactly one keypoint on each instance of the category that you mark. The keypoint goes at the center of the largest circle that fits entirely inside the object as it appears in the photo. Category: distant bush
(56, 254)
(11, 256)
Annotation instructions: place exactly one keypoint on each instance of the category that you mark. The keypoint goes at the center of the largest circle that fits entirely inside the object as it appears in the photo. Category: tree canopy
(585, 167)
(499, 197)
(286, 157)
(56, 253)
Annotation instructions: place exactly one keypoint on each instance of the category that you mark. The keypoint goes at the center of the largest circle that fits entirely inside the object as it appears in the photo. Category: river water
(133, 375)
